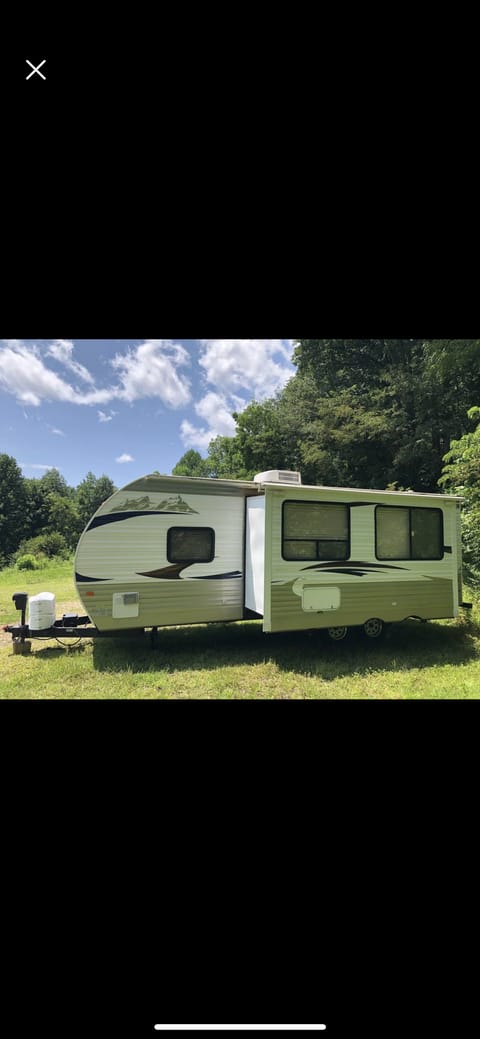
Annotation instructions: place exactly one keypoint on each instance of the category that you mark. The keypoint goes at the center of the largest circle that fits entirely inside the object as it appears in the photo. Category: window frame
(411, 558)
(171, 530)
(316, 559)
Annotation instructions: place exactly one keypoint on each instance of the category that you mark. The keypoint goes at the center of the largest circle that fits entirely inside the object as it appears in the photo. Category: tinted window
(315, 530)
(393, 533)
(427, 533)
(190, 544)
(408, 533)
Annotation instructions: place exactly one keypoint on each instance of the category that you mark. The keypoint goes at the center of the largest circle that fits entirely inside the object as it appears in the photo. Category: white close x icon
(35, 69)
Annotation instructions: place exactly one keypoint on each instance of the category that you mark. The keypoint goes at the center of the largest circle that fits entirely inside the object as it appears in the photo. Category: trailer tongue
(71, 625)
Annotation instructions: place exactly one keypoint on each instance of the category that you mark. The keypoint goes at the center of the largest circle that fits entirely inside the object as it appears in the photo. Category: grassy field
(439, 660)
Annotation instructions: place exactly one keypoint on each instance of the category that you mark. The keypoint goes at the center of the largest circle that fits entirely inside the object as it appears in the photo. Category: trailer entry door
(255, 554)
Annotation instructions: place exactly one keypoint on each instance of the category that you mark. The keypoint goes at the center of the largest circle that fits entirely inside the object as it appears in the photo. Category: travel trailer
(172, 550)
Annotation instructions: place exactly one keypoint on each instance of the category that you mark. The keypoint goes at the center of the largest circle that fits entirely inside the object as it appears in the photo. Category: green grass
(56, 577)
(439, 660)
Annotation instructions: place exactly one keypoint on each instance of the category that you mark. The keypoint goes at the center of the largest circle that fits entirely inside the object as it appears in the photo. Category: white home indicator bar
(240, 1028)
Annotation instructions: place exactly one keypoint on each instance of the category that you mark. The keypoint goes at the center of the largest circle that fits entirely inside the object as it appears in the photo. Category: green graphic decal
(173, 504)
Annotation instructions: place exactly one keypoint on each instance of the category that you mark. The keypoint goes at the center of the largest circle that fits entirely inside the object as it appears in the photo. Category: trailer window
(427, 533)
(190, 544)
(392, 532)
(315, 530)
(408, 533)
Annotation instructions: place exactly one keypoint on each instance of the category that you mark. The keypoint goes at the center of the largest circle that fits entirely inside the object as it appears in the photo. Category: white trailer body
(175, 550)
(165, 550)
(339, 557)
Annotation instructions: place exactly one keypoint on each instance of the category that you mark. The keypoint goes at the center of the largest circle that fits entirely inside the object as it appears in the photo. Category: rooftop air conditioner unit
(278, 476)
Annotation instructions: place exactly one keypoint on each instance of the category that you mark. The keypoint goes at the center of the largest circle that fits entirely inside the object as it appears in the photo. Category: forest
(42, 519)
(401, 414)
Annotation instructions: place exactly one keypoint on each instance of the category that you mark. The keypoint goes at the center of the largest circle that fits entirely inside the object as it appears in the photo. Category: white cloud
(96, 396)
(238, 403)
(233, 371)
(62, 351)
(192, 436)
(260, 366)
(58, 432)
(23, 373)
(150, 370)
(213, 409)
(256, 367)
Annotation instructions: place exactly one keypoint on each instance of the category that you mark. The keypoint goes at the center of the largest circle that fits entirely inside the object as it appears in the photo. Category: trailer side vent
(125, 604)
(278, 476)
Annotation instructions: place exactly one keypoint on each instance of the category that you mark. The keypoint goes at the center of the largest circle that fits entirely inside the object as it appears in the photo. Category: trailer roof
(361, 490)
(255, 487)
(153, 478)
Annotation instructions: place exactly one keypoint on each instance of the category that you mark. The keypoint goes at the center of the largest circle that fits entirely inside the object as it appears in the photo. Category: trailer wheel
(374, 628)
(337, 633)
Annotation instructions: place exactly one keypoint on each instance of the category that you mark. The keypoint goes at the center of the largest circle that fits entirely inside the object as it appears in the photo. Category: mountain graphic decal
(173, 504)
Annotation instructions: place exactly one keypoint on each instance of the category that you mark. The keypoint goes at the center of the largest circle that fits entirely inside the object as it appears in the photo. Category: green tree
(64, 518)
(43, 510)
(90, 494)
(391, 405)
(461, 475)
(336, 364)
(49, 544)
(12, 507)
(348, 444)
(37, 507)
(224, 460)
(52, 482)
(191, 464)
(259, 443)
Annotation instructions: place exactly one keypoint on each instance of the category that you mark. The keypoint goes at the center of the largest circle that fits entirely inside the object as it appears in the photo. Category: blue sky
(125, 407)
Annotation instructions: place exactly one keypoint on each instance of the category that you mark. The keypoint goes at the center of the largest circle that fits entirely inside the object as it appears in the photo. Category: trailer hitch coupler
(20, 599)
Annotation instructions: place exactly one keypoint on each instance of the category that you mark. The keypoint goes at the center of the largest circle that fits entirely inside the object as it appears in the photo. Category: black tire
(374, 628)
(337, 634)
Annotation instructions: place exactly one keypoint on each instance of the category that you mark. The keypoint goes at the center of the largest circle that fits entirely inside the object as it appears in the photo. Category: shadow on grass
(52, 652)
(211, 647)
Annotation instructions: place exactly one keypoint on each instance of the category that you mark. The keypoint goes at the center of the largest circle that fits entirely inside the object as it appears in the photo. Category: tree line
(44, 517)
(357, 412)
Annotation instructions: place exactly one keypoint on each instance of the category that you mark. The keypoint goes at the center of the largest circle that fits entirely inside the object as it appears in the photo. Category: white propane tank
(41, 611)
